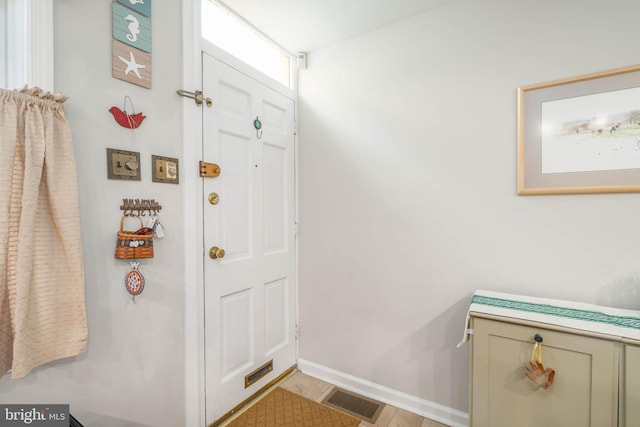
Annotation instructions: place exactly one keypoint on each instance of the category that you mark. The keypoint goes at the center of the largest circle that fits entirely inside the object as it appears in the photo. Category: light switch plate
(123, 164)
(164, 169)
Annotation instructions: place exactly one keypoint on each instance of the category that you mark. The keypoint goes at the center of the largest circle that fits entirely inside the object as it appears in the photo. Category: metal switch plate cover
(165, 169)
(123, 164)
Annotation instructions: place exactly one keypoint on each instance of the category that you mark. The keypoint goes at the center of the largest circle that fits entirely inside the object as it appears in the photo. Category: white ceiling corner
(307, 25)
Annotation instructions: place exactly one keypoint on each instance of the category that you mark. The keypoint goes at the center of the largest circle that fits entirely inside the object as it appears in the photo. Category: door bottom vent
(359, 406)
(258, 373)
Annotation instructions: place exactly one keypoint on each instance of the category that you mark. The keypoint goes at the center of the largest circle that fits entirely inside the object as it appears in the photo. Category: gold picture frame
(580, 134)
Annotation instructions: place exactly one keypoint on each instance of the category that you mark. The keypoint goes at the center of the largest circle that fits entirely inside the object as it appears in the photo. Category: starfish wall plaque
(131, 65)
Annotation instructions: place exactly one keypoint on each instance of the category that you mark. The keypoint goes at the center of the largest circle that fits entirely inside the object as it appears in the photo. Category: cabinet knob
(538, 338)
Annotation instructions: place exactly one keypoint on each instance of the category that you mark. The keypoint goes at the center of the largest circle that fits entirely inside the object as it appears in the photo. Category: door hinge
(296, 332)
(209, 170)
(295, 229)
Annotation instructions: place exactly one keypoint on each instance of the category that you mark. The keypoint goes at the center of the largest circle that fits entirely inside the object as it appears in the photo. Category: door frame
(194, 343)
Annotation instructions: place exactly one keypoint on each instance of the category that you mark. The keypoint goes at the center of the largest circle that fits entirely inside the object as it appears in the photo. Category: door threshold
(236, 410)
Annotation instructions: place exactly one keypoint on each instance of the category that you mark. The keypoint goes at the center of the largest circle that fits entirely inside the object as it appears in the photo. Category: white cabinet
(585, 391)
(631, 387)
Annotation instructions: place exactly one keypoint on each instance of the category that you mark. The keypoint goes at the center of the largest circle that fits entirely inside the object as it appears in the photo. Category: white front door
(250, 292)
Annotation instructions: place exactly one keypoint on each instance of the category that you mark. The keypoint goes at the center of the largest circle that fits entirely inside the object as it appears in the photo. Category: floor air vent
(354, 404)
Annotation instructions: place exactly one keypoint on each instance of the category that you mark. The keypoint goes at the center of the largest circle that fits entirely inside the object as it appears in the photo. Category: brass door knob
(215, 252)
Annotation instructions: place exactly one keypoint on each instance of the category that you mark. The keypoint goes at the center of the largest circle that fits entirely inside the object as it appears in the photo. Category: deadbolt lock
(214, 198)
(209, 170)
(216, 253)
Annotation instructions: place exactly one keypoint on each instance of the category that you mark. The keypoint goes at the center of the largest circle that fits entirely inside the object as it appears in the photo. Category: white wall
(408, 187)
(133, 371)
(407, 198)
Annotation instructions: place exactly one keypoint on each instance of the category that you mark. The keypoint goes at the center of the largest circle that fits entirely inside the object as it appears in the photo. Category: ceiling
(307, 25)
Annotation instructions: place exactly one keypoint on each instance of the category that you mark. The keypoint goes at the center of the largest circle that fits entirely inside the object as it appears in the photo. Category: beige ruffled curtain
(42, 305)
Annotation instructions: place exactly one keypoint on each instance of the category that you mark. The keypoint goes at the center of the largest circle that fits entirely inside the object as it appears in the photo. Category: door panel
(250, 292)
(275, 190)
(234, 101)
(274, 116)
(275, 320)
(237, 332)
(236, 188)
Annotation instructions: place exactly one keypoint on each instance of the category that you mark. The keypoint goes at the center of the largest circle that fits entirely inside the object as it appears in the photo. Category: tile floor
(315, 389)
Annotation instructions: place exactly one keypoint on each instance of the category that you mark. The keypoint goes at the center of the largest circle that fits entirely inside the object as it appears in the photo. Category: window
(229, 32)
(3, 43)
(26, 43)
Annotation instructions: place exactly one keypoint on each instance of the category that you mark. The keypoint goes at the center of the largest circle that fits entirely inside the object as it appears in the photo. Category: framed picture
(580, 134)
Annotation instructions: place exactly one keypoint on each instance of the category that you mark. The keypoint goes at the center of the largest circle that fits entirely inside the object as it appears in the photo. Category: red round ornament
(134, 281)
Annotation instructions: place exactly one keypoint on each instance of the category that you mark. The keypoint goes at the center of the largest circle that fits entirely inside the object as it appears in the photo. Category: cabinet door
(632, 386)
(584, 393)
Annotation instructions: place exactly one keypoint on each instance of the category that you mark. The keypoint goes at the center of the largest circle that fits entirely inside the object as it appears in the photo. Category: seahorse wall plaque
(131, 28)
(141, 6)
(131, 47)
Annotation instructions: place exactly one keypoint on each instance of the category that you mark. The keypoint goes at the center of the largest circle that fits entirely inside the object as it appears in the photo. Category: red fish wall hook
(129, 121)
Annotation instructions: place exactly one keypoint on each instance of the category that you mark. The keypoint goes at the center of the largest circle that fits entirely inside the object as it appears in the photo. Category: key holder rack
(140, 207)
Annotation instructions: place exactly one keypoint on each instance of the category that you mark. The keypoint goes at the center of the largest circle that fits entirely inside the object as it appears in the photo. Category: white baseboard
(434, 411)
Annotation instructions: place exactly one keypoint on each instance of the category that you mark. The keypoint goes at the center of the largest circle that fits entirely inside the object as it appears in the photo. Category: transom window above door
(230, 32)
